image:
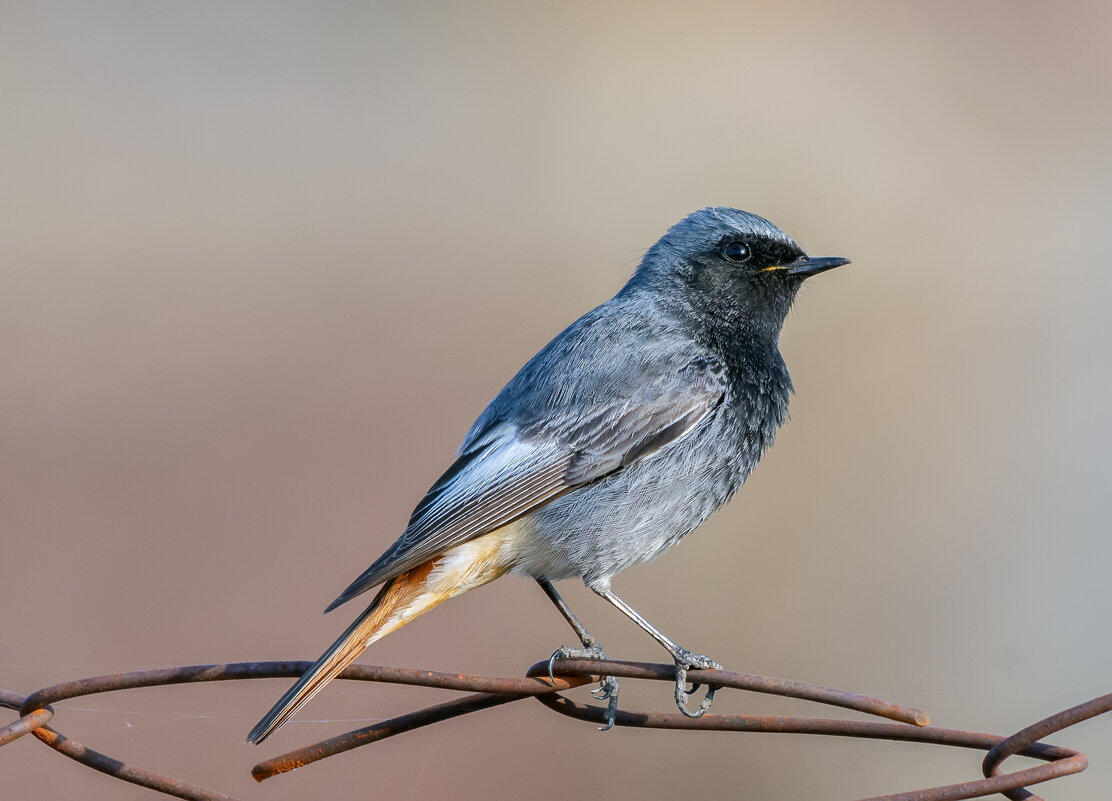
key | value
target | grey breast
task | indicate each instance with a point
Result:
(638, 513)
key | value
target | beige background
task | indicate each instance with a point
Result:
(263, 263)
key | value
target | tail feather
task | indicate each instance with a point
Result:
(398, 602)
(368, 627)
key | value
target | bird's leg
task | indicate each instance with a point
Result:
(685, 660)
(608, 685)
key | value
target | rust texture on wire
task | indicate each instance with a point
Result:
(902, 723)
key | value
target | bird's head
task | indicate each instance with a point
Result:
(730, 265)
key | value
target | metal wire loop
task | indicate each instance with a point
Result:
(903, 723)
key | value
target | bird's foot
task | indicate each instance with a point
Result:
(607, 689)
(685, 661)
(590, 651)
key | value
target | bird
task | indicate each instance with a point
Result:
(616, 440)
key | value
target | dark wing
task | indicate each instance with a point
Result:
(509, 472)
(484, 490)
(616, 438)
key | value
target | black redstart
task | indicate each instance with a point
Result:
(621, 436)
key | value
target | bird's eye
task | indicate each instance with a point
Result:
(736, 251)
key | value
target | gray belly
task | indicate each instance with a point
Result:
(638, 513)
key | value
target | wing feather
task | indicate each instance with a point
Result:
(493, 488)
(508, 472)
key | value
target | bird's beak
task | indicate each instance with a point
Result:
(806, 267)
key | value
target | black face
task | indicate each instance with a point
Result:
(733, 270)
(756, 253)
(743, 282)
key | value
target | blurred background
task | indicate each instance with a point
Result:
(263, 264)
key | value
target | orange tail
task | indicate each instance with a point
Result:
(398, 602)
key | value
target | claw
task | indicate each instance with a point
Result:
(551, 661)
(611, 710)
(564, 652)
(608, 685)
(608, 688)
(682, 692)
(612, 706)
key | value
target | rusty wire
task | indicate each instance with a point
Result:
(905, 724)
